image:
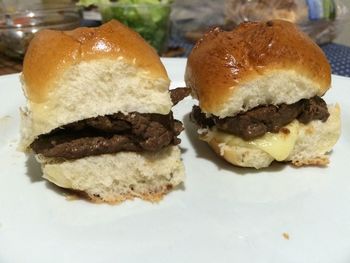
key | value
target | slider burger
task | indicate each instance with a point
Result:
(259, 89)
(98, 114)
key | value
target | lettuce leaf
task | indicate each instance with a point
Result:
(150, 18)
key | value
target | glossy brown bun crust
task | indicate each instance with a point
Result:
(223, 61)
(51, 52)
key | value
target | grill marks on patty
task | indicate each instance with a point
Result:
(110, 134)
(269, 118)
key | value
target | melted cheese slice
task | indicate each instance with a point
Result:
(278, 145)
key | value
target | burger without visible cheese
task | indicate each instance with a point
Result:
(98, 114)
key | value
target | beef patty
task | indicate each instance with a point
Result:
(268, 118)
(110, 134)
(113, 133)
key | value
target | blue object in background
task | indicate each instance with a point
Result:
(339, 58)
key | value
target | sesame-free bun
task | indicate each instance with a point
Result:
(257, 63)
(113, 178)
(73, 75)
(313, 143)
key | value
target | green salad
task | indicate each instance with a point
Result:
(150, 18)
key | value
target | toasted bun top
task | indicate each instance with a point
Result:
(256, 63)
(89, 72)
(51, 52)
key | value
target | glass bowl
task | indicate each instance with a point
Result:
(151, 21)
(18, 28)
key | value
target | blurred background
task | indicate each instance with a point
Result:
(173, 26)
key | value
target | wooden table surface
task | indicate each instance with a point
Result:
(9, 65)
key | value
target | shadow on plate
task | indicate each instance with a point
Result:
(33, 169)
(35, 175)
(204, 151)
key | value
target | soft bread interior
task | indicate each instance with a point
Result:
(257, 63)
(116, 177)
(274, 87)
(310, 146)
(93, 88)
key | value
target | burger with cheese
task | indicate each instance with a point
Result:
(259, 89)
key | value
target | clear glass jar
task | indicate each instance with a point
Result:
(18, 28)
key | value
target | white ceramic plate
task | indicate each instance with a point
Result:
(222, 214)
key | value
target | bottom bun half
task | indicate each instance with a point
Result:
(302, 145)
(113, 178)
